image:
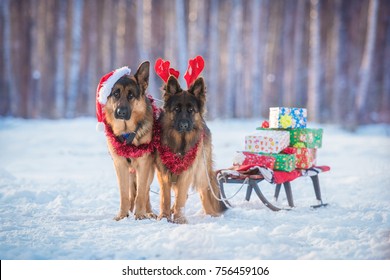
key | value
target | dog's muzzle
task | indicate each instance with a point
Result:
(122, 113)
(184, 126)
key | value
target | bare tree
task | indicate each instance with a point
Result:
(144, 35)
(385, 101)
(120, 33)
(59, 90)
(197, 30)
(93, 53)
(365, 67)
(255, 85)
(213, 59)
(105, 36)
(181, 37)
(13, 95)
(75, 58)
(297, 54)
(170, 35)
(314, 63)
(288, 66)
(232, 45)
(338, 82)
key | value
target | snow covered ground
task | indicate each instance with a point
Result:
(58, 195)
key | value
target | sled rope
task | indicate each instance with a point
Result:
(224, 200)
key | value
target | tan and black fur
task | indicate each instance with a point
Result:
(182, 126)
(128, 110)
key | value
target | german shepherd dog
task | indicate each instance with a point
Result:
(183, 127)
(128, 110)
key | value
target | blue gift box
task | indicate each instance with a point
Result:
(285, 117)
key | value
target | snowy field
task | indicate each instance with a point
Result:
(58, 195)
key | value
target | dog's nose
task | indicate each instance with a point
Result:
(183, 125)
(122, 113)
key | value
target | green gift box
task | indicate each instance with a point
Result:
(306, 137)
(283, 162)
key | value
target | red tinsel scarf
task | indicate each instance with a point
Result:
(177, 163)
(129, 150)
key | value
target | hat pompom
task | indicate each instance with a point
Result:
(100, 127)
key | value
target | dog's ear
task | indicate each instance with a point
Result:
(142, 75)
(198, 88)
(173, 86)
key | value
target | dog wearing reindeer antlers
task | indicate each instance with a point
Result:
(184, 156)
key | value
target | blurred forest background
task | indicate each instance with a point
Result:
(330, 56)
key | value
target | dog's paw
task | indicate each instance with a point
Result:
(164, 216)
(141, 216)
(121, 215)
(151, 215)
(179, 220)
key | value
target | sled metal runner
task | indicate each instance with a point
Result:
(252, 183)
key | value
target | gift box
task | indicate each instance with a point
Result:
(284, 162)
(267, 141)
(306, 138)
(284, 117)
(251, 159)
(305, 157)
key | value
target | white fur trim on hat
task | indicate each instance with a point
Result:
(106, 88)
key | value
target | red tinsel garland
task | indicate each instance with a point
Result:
(175, 163)
(129, 150)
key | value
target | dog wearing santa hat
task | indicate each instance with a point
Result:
(128, 116)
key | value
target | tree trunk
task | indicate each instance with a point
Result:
(385, 100)
(120, 34)
(59, 90)
(297, 90)
(170, 36)
(314, 63)
(106, 36)
(93, 60)
(214, 55)
(11, 87)
(337, 59)
(197, 28)
(240, 96)
(75, 58)
(287, 39)
(181, 38)
(232, 48)
(254, 55)
(365, 68)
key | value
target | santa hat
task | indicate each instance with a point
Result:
(104, 89)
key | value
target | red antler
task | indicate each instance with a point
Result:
(163, 71)
(195, 67)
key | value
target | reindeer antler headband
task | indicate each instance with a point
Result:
(195, 67)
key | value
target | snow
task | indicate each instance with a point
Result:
(58, 197)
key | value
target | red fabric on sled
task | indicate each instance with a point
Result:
(282, 176)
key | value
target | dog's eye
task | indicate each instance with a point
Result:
(116, 93)
(177, 109)
(190, 110)
(130, 96)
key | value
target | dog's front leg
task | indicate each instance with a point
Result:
(165, 196)
(123, 177)
(143, 188)
(181, 195)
